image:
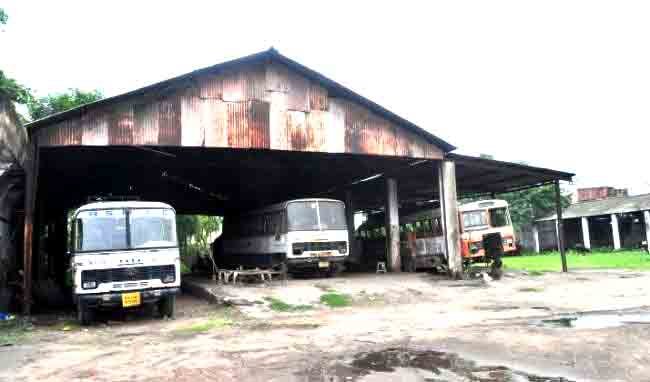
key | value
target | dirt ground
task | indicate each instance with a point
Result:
(396, 327)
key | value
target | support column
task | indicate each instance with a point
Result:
(646, 219)
(586, 239)
(560, 225)
(31, 185)
(449, 214)
(536, 238)
(392, 226)
(616, 234)
(349, 219)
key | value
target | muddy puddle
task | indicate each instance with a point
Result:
(402, 364)
(597, 320)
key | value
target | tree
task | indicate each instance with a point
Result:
(3, 17)
(531, 204)
(56, 103)
(13, 91)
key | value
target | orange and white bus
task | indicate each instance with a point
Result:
(476, 219)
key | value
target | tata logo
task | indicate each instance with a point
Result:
(131, 273)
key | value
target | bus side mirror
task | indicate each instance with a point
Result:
(277, 233)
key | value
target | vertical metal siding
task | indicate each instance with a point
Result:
(169, 122)
(192, 133)
(214, 117)
(146, 129)
(318, 97)
(120, 130)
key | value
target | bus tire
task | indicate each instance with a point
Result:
(85, 315)
(167, 307)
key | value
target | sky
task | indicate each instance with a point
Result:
(558, 84)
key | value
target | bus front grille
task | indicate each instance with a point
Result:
(127, 274)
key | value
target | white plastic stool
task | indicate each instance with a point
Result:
(381, 267)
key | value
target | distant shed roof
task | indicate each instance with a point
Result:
(605, 207)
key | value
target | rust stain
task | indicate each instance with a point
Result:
(169, 122)
(95, 129)
(245, 84)
(318, 97)
(211, 87)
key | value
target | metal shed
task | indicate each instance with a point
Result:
(617, 222)
(242, 134)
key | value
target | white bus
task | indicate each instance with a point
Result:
(302, 234)
(124, 254)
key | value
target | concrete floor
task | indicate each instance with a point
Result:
(496, 323)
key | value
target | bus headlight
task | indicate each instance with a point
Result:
(343, 247)
(89, 284)
(169, 278)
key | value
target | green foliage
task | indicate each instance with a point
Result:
(278, 305)
(335, 300)
(56, 103)
(13, 91)
(3, 17)
(194, 232)
(527, 205)
(605, 259)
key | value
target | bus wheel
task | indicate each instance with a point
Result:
(167, 307)
(85, 315)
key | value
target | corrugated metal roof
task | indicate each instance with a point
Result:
(233, 88)
(604, 207)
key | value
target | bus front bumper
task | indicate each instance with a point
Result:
(114, 299)
(315, 262)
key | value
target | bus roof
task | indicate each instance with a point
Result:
(283, 205)
(122, 204)
(482, 205)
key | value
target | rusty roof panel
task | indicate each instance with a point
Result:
(211, 87)
(146, 128)
(65, 133)
(120, 128)
(94, 127)
(317, 133)
(248, 124)
(276, 78)
(169, 122)
(318, 99)
(298, 92)
(214, 118)
(192, 133)
(246, 84)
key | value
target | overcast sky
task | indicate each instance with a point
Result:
(560, 84)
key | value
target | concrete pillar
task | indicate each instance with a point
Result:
(449, 213)
(616, 234)
(536, 238)
(560, 225)
(392, 226)
(349, 220)
(586, 239)
(646, 219)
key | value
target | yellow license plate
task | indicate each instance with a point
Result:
(130, 299)
(323, 264)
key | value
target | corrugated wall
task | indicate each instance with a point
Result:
(263, 105)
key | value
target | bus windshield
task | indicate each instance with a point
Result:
(303, 216)
(475, 219)
(106, 230)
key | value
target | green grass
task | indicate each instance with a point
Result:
(205, 326)
(335, 300)
(634, 260)
(530, 289)
(278, 305)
